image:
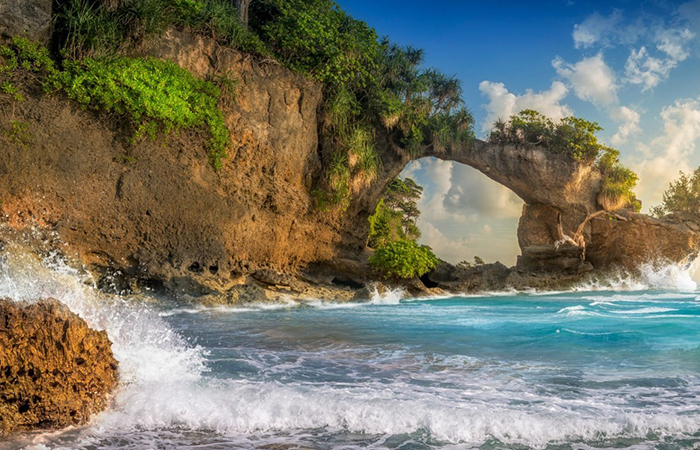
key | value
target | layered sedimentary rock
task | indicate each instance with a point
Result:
(55, 371)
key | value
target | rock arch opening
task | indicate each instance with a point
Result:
(465, 216)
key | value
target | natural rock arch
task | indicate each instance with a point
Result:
(562, 226)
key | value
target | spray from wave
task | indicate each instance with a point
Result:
(166, 392)
(652, 275)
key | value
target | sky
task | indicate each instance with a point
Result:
(631, 66)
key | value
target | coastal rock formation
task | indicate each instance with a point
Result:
(643, 239)
(158, 212)
(451, 278)
(31, 18)
(55, 371)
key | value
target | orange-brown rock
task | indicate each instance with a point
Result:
(55, 371)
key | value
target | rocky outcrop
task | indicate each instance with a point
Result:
(30, 18)
(159, 213)
(451, 278)
(158, 210)
(643, 239)
(54, 370)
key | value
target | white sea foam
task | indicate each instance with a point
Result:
(649, 310)
(164, 386)
(652, 275)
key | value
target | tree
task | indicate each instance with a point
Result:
(396, 214)
(682, 195)
(403, 259)
(478, 261)
(243, 6)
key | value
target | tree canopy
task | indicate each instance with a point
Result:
(682, 195)
(394, 232)
(575, 138)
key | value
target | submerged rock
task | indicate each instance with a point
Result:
(55, 371)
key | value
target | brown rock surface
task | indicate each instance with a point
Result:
(55, 371)
(643, 239)
(159, 211)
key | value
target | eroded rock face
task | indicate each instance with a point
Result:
(30, 18)
(55, 371)
(643, 239)
(454, 279)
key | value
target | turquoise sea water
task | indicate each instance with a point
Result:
(580, 370)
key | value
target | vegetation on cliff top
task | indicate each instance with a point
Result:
(371, 85)
(682, 195)
(394, 232)
(576, 138)
(155, 96)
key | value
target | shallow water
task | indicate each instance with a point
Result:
(580, 370)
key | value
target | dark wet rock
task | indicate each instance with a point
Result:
(454, 279)
(55, 371)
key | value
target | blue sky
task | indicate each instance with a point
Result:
(634, 67)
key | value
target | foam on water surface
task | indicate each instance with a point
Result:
(581, 370)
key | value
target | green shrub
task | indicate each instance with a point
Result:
(576, 138)
(86, 28)
(366, 162)
(403, 259)
(617, 190)
(20, 60)
(316, 37)
(156, 96)
(572, 136)
(682, 195)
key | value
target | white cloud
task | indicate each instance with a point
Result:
(670, 152)
(503, 104)
(452, 250)
(472, 193)
(674, 42)
(629, 120)
(460, 209)
(591, 79)
(642, 68)
(596, 29)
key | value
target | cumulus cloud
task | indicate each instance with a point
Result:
(591, 79)
(503, 104)
(674, 42)
(646, 70)
(665, 155)
(596, 29)
(472, 193)
(449, 249)
(460, 208)
(665, 43)
(629, 120)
